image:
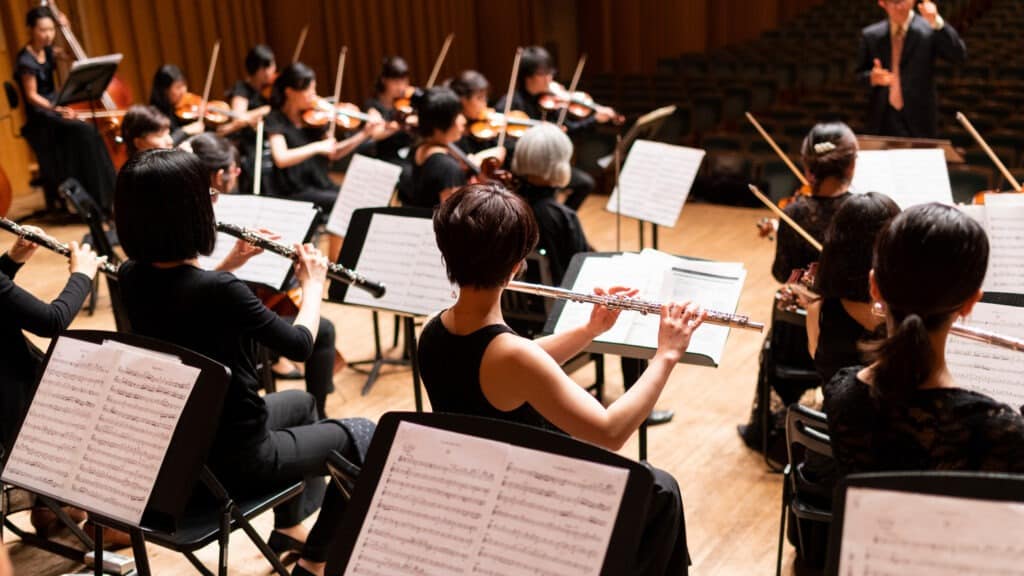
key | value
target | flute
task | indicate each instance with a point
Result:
(51, 244)
(987, 337)
(334, 271)
(632, 304)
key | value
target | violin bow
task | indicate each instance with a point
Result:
(962, 119)
(300, 43)
(572, 88)
(337, 91)
(209, 80)
(257, 169)
(509, 96)
(785, 217)
(440, 61)
(771, 142)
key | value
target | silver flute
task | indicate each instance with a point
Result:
(334, 271)
(987, 337)
(49, 243)
(632, 304)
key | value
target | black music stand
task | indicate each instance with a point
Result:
(872, 142)
(183, 463)
(632, 509)
(355, 239)
(88, 80)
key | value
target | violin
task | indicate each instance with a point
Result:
(580, 104)
(217, 111)
(489, 125)
(799, 285)
(348, 115)
(403, 104)
(487, 171)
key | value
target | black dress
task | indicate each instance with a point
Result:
(245, 138)
(261, 442)
(838, 338)
(177, 125)
(390, 148)
(64, 148)
(935, 429)
(308, 180)
(20, 310)
(450, 366)
(813, 214)
(439, 172)
(561, 234)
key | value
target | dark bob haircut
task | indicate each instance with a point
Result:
(849, 246)
(438, 108)
(469, 82)
(391, 68)
(259, 56)
(162, 207)
(38, 13)
(164, 77)
(296, 76)
(215, 152)
(535, 60)
(140, 121)
(483, 232)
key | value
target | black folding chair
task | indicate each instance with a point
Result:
(805, 433)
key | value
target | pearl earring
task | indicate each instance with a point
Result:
(878, 309)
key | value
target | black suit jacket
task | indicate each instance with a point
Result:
(917, 66)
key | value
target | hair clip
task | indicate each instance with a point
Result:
(824, 147)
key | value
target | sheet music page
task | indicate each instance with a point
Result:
(101, 420)
(449, 503)
(401, 252)
(1003, 199)
(290, 219)
(985, 368)
(909, 177)
(887, 533)
(712, 291)
(655, 180)
(605, 272)
(1005, 226)
(369, 183)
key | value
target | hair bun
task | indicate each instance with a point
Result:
(824, 147)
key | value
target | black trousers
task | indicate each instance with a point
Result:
(663, 550)
(894, 123)
(581, 184)
(320, 365)
(296, 449)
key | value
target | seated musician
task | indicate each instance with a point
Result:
(145, 128)
(392, 144)
(165, 221)
(220, 160)
(536, 73)
(302, 154)
(904, 411)
(66, 147)
(246, 99)
(472, 363)
(168, 91)
(472, 88)
(20, 310)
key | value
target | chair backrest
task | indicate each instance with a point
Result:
(13, 100)
(927, 522)
(806, 429)
(91, 214)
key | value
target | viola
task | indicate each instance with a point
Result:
(217, 111)
(489, 125)
(799, 285)
(349, 117)
(580, 104)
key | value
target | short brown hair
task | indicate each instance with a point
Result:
(483, 232)
(140, 121)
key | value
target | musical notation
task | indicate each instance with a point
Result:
(985, 369)
(369, 183)
(655, 182)
(909, 177)
(99, 426)
(448, 503)
(401, 252)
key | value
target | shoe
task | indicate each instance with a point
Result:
(293, 374)
(112, 539)
(660, 417)
(281, 543)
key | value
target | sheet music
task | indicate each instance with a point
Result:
(985, 368)
(401, 252)
(369, 183)
(99, 426)
(909, 177)
(448, 503)
(290, 219)
(887, 533)
(656, 179)
(1005, 227)
(659, 277)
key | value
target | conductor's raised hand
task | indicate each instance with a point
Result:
(880, 76)
(929, 11)
(678, 322)
(601, 318)
(83, 259)
(310, 266)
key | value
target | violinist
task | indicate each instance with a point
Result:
(247, 101)
(64, 146)
(145, 128)
(220, 160)
(168, 92)
(302, 154)
(536, 74)
(392, 144)
(472, 89)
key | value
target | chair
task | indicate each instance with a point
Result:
(527, 314)
(99, 237)
(806, 431)
(962, 495)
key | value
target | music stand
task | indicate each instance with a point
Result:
(632, 509)
(871, 142)
(352, 252)
(88, 80)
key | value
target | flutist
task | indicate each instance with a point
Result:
(473, 363)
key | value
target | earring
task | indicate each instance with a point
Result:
(878, 309)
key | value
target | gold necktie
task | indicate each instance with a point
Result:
(895, 89)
